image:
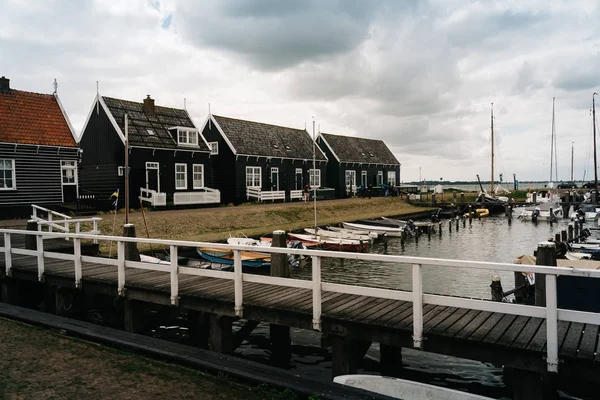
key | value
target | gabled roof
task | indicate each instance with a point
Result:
(359, 150)
(140, 122)
(258, 139)
(34, 118)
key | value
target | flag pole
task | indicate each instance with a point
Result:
(126, 169)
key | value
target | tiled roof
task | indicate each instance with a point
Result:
(258, 139)
(159, 123)
(355, 149)
(33, 118)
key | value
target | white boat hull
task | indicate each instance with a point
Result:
(403, 389)
(389, 231)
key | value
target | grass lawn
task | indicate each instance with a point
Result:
(39, 364)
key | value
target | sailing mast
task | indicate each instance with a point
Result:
(492, 180)
(572, 152)
(595, 160)
(552, 149)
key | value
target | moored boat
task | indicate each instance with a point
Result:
(332, 243)
(372, 235)
(379, 229)
(339, 235)
(542, 212)
(225, 256)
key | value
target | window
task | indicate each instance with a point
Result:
(391, 177)
(187, 137)
(350, 180)
(180, 176)
(7, 174)
(379, 178)
(198, 176)
(214, 147)
(274, 178)
(315, 178)
(151, 132)
(68, 171)
(253, 178)
(120, 171)
(363, 178)
(151, 165)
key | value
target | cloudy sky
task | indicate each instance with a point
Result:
(420, 75)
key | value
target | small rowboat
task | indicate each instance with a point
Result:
(339, 235)
(379, 229)
(332, 243)
(224, 256)
(372, 235)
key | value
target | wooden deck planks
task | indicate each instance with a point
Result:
(498, 330)
(570, 345)
(589, 340)
(463, 321)
(513, 331)
(448, 321)
(475, 324)
(392, 310)
(481, 332)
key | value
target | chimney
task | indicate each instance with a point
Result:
(4, 85)
(149, 106)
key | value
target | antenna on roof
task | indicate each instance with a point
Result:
(97, 99)
(184, 104)
(209, 125)
(55, 84)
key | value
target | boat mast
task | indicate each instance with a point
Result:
(315, 176)
(126, 169)
(595, 159)
(572, 152)
(492, 180)
(552, 150)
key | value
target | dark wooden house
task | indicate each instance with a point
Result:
(169, 160)
(38, 152)
(256, 161)
(354, 161)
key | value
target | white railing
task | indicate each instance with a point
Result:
(550, 312)
(153, 197)
(264, 195)
(295, 194)
(52, 218)
(207, 196)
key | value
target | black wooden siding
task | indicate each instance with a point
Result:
(38, 174)
(230, 171)
(104, 152)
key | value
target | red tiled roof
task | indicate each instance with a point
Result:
(33, 118)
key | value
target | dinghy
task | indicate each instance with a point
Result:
(339, 235)
(372, 235)
(225, 256)
(379, 229)
(542, 212)
(332, 243)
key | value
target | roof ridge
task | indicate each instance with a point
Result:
(141, 103)
(260, 123)
(28, 92)
(352, 137)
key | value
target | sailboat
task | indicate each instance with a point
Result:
(553, 159)
(491, 202)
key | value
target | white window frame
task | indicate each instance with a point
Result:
(120, 171)
(66, 165)
(14, 175)
(214, 148)
(184, 137)
(194, 174)
(363, 178)
(152, 165)
(379, 178)
(184, 187)
(391, 173)
(314, 178)
(275, 169)
(253, 173)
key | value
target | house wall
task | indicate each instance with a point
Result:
(37, 175)
(223, 165)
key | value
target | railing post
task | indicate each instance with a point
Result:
(121, 267)
(174, 276)
(95, 228)
(417, 290)
(40, 256)
(77, 254)
(551, 324)
(316, 294)
(50, 221)
(67, 229)
(7, 254)
(237, 280)
(77, 227)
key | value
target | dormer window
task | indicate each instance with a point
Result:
(371, 154)
(276, 146)
(288, 148)
(187, 137)
(151, 132)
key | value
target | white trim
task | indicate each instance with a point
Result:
(187, 128)
(193, 149)
(40, 145)
(111, 118)
(314, 172)
(213, 153)
(388, 177)
(150, 167)
(259, 177)
(184, 172)
(377, 181)
(327, 144)
(366, 175)
(64, 113)
(14, 174)
(196, 126)
(275, 169)
(194, 180)
(214, 121)
(283, 158)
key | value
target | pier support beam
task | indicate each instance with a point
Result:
(131, 250)
(346, 354)
(546, 255)
(9, 291)
(68, 302)
(31, 240)
(529, 385)
(133, 316)
(221, 337)
(390, 360)
(198, 325)
(281, 341)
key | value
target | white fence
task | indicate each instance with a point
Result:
(295, 194)
(265, 195)
(550, 312)
(208, 196)
(153, 197)
(62, 223)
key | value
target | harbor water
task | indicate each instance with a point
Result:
(488, 239)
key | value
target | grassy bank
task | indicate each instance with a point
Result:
(213, 224)
(36, 363)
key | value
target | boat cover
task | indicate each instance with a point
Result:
(577, 264)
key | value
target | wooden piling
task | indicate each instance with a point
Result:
(519, 281)
(402, 239)
(221, 337)
(546, 255)
(457, 222)
(133, 316)
(563, 235)
(345, 354)
(281, 341)
(462, 198)
(576, 230)
(470, 214)
(131, 250)
(557, 238)
(390, 360)
(534, 198)
(198, 326)
(31, 240)
(570, 232)
(440, 228)
(551, 216)
(433, 199)
(429, 231)
(496, 286)
(450, 226)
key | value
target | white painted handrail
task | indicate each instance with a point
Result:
(550, 312)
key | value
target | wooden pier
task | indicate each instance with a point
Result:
(530, 342)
